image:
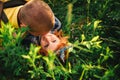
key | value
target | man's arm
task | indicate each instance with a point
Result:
(13, 3)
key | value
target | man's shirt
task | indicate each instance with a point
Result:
(12, 15)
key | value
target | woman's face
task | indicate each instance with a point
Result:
(50, 41)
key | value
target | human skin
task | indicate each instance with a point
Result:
(50, 42)
(54, 42)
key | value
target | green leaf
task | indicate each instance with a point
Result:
(95, 38)
(96, 23)
(83, 37)
(26, 56)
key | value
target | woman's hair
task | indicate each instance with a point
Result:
(63, 43)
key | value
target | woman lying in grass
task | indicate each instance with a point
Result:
(52, 41)
(55, 42)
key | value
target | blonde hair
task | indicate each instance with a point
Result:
(38, 16)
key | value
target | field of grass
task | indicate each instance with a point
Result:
(93, 27)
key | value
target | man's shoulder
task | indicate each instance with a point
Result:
(11, 14)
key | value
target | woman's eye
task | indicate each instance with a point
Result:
(46, 46)
(54, 41)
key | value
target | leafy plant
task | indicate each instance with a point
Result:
(11, 51)
(93, 30)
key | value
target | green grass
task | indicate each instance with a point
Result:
(93, 28)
